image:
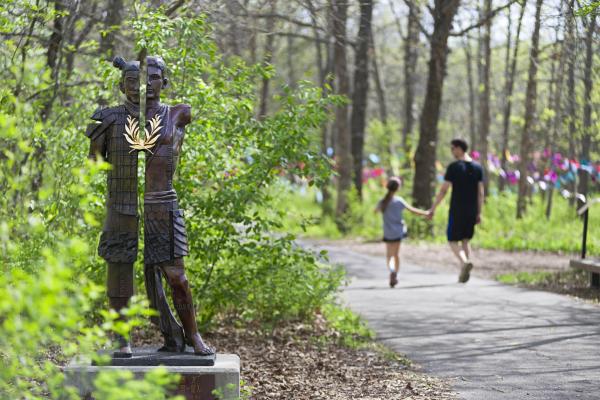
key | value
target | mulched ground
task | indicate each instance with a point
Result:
(300, 361)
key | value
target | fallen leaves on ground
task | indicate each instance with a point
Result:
(305, 362)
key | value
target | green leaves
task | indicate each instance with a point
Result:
(229, 161)
(52, 281)
(588, 9)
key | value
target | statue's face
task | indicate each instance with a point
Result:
(130, 86)
(156, 82)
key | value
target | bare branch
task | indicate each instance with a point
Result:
(484, 20)
(63, 86)
(174, 6)
(423, 30)
(283, 17)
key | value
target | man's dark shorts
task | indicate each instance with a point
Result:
(460, 228)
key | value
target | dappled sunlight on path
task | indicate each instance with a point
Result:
(494, 341)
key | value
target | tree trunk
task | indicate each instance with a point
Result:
(53, 62)
(233, 31)
(411, 57)
(343, 143)
(290, 61)
(425, 156)
(324, 68)
(379, 86)
(471, 89)
(588, 83)
(114, 17)
(508, 91)
(484, 99)
(556, 121)
(53, 55)
(267, 59)
(75, 44)
(361, 88)
(252, 34)
(381, 102)
(571, 95)
(530, 105)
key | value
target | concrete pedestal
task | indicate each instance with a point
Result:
(197, 382)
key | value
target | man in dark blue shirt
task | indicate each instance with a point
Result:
(466, 178)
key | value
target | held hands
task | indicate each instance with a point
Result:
(430, 214)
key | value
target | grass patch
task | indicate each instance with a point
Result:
(570, 282)
(352, 329)
(568, 278)
(500, 229)
(526, 278)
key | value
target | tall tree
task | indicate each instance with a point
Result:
(471, 90)
(112, 20)
(530, 106)
(509, 84)
(54, 54)
(268, 57)
(343, 142)
(324, 67)
(588, 84)
(379, 85)
(558, 115)
(425, 155)
(361, 88)
(411, 57)
(484, 93)
(571, 95)
(381, 96)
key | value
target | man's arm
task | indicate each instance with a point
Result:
(480, 199)
(440, 196)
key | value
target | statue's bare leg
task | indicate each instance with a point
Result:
(169, 327)
(184, 305)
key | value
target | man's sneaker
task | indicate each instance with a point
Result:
(465, 272)
(393, 279)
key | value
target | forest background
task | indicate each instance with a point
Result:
(301, 108)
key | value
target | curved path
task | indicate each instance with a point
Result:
(493, 341)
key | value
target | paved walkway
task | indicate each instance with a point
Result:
(493, 341)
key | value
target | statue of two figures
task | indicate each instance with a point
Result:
(115, 136)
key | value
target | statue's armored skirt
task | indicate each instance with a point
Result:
(165, 237)
(119, 239)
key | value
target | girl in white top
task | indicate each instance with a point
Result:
(394, 228)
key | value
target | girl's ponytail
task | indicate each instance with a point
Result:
(392, 185)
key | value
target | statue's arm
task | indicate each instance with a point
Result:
(97, 132)
(98, 147)
(183, 116)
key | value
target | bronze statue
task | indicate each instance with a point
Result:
(116, 137)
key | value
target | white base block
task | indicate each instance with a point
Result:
(197, 383)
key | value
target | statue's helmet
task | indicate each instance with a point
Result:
(151, 61)
(126, 66)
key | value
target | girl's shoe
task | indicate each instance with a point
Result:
(393, 279)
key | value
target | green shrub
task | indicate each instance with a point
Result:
(229, 162)
(52, 281)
